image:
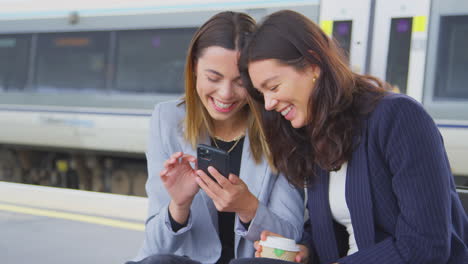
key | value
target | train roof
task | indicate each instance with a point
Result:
(33, 9)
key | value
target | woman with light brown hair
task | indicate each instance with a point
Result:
(379, 184)
(221, 221)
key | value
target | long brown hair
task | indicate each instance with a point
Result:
(336, 105)
(227, 30)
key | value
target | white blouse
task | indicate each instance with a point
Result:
(338, 206)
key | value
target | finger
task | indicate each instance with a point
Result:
(266, 233)
(299, 256)
(163, 175)
(177, 155)
(222, 181)
(258, 254)
(205, 187)
(256, 245)
(212, 185)
(303, 253)
(189, 158)
(169, 163)
(234, 179)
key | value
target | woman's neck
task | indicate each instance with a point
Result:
(231, 129)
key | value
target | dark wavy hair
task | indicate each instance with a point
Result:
(336, 105)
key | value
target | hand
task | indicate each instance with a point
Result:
(229, 195)
(179, 180)
(301, 257)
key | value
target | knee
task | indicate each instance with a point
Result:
(156, 259)
(243, 261)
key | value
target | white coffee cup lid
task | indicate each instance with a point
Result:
(280, 243)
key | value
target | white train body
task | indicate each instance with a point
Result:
(92, 119)
(417, 46)
(113, 116)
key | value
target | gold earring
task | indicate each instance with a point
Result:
(314, 79)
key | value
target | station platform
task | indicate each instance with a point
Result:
(53, 225)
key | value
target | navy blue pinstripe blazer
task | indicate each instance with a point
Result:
(400, 192)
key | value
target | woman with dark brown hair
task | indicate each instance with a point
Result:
(221, 221)
(380, 189)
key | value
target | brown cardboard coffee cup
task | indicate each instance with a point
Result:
(279, 248)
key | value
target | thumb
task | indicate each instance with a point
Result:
(298, 258)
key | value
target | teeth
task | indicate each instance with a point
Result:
(286, 111)
(221, 105)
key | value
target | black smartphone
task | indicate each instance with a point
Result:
(211, 156)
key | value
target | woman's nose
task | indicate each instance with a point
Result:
(226, 90)
(270, 103)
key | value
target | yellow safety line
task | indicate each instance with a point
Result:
(73, 217)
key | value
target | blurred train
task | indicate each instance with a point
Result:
(78, 84)
(78, 81)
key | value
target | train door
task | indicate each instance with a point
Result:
(348, 23)
(446, 80)
(399, 44)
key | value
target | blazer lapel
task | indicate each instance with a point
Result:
(251, 173)
(323, 232)
(358, 194)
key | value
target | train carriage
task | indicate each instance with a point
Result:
(82, 79)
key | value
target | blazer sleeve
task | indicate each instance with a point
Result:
(159, 236)
(282, 212)
(413, 150)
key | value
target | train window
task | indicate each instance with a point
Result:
(452, 60)
(342, 33)
(72, 61)
(152, 61)
(14, 54)
(398, 52)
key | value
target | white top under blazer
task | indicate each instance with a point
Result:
(338, 205)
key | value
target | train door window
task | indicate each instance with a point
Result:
(452, 60)
(14, 55)
(72, 61)
(152, 61)
(398, 52)
(342, 33)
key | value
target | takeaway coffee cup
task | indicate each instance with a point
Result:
(279, 248)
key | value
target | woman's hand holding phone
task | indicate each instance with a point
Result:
(178, 177)
(229, 194)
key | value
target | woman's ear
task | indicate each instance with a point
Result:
(316, 71)
(315, 68)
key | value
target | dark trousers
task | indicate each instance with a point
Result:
(164, 259)
(258, 261)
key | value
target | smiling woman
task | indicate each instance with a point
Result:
(220, 222)
(379, 184)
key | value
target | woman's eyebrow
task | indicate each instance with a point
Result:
(214, 72)
(264, 83)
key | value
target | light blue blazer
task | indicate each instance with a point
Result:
(281, 206)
